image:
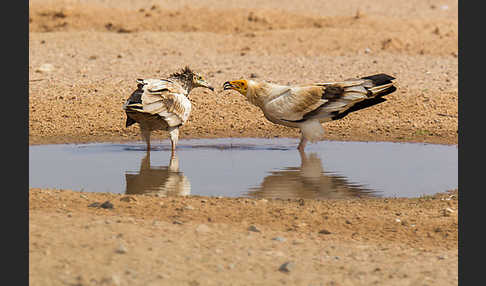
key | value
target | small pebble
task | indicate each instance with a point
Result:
(253, 228)
(128, 199)
(45, 68)
(121, 249)
(106, 205)
(287, 267)
(278, 238)
(447, 212)
(324, 231)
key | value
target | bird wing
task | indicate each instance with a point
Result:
(319, 100)
(295, 102)
(324, 100)
(351, 95)
(162, 97)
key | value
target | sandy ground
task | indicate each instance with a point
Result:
(147, 240)
(84, 57)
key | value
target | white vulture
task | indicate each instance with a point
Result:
(163, 104)
(307, 106)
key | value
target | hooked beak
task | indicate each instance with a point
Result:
(227, 85)
(206, 85)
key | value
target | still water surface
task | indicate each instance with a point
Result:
(248, 167)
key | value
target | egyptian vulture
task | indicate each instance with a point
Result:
(307, 106)
(163, 104)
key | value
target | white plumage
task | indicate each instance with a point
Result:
(162, 104)
(307, 106)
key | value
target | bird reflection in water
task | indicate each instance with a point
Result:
(158, 180)
(309, 181)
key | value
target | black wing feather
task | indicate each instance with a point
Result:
(379, 79)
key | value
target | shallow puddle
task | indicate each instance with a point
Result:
(243, 167)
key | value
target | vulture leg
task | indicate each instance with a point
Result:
(174, 138)
(146, 136)
(302, 143)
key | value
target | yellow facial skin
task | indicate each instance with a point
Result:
(240, 86)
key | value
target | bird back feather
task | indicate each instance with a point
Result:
(342, 96)
(157, 100)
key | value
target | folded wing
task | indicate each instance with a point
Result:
(159, 97)
(328, 100)
(295, 102)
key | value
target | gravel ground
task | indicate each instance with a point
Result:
(84, 57)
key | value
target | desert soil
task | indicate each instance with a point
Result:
(84, 58)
